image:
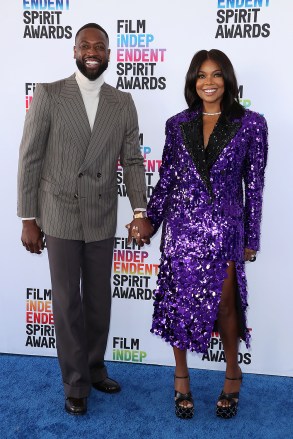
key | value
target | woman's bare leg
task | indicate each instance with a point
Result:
(229, 331)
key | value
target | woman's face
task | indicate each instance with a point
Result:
(210, 83)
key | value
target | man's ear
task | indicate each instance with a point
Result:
(74, 52)
(109, 53)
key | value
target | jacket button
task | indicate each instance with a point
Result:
(80, 174)
(76, 196)
(99, 175)
(223, 172)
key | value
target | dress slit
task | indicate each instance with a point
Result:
(187, 301)
(241, 320)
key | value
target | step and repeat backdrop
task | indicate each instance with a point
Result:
(151, 47)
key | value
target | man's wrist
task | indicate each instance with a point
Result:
(139, 214)
(26, 222)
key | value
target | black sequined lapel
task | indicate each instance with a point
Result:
(204, 159)
(192, 136)
(222, 134)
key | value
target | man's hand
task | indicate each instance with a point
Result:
(32, 237)
(141, 230)
(249, 255)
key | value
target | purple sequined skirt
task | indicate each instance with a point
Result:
(187, 300)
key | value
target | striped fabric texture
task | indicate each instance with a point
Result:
(67, 173)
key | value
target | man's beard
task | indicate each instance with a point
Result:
(91, 75)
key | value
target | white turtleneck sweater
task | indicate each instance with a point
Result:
(90, 91)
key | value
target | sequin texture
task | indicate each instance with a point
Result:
(208, 220)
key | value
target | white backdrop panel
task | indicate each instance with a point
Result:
(263, 69)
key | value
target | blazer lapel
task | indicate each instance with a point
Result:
(221, 136)
(107, 117)
(204, 159)
(73, 113)
(192, 136)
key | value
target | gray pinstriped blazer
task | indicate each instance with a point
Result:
(67, 173)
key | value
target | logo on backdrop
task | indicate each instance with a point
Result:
(241, 19)
(137, 59)
(131, 272)
(29, 92)
(216, 352)
(40, 329)
(43, 19)
(152, 167)
(245, 102)
(127, 349)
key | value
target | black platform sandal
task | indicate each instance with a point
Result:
(232, 398)
(180, 410)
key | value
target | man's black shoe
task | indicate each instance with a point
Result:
(76, 406)
(107, 385)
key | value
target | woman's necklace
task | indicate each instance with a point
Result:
(212, 114)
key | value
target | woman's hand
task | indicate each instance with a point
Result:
(249, 255)
(140, 230)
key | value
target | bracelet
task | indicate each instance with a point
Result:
(139, 215)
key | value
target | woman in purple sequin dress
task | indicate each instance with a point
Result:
(209, 201)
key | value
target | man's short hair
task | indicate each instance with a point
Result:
(92, 25)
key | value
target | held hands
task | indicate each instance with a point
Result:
(32, 237)
(141, 230)
(249, 255)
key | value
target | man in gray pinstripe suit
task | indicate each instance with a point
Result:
(74, 133)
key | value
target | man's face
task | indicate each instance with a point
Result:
(91, 53)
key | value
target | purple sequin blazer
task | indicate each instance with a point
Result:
(210, 200)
